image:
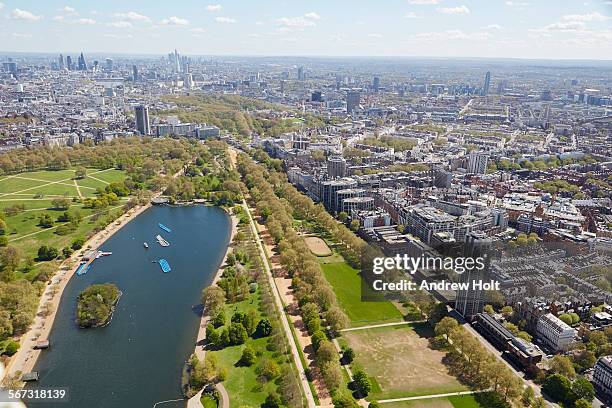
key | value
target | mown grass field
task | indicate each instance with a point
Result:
(460, 401)
(346, 283)
(35, 191)
(400, 361)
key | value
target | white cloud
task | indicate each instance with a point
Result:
(519, 4)
(176, 21)
(424, 2)
(375, 35)
(20, 35)
(411, 14)
(560, 27)
(1, 6)
(58, 18)
(25, 15)
(84, 21)
(70, 11)
(259, 23)
(120, 24)
(132, 16)
(213, 7)
(454, 10)
(225, 20)
(198, 30)
(594, 16)
(312, 15)
(254, 35)
(493, 27)
(452, 35)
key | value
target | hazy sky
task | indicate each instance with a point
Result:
(450, 28)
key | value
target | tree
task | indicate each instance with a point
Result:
(237, 334)
(326, 352)
(248, 356)
(342, 216)
(582, 403)
(562, 365)
(61, 203)
(488, 309)
(362, 382)
(268, 369)
(45, 221)
(77, 243)
(317, 338)
(583, 389)
(348, 355)
(47, 253)
(558, 387)
(446, 326)
(507, 311)
(355, 225)
(538, 403)
(80, 172)
(272, 401)
(264, 328)
(336, 318)
(213, 299)
(527, 397)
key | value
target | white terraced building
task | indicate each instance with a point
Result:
(555, 333)
(602, 375)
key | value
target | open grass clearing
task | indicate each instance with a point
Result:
(400, 360)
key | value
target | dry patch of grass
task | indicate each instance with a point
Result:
(318, 246)
(402, 363)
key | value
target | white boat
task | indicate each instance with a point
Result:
(146, 245)
(162, 241)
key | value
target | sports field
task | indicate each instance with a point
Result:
(459, 401)
(346, 283)
(400, 361)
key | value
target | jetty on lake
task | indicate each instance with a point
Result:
(88, 259)
(162, 241)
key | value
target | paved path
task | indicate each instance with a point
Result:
(420, 397)
(279, 305)
(374, 326)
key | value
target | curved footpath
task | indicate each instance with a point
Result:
(200, 351)
(25, 359)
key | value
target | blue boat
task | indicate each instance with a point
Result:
(164, 265)
(162, 226)
(82, 269)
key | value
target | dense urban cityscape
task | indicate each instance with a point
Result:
(271, 182)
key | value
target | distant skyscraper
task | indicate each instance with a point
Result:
(376, 84)
(135, 74)
(177, 61)
(60, 62)
(352, 101)
(11, 68)
(142, 119)
(470, 301)
(69, 63)
(82, 65)
(188, 80)
(109, 64)
(301, 75)
(487, 83)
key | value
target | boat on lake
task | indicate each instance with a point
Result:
(162, 226)
(162, 241)
(165, 266)
(146, 245)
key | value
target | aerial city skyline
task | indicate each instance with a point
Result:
(283, 204)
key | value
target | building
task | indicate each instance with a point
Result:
(81, 64)
(142, 119)
(336, 167)
(424, 221)
(352, 101)
(108, 64)
(135, 75)
(525, 353)
(328, 190)
(376, 84)
(602, 375)
(477, 163)
(471, 301)
(300, 74)
(487, 83)
(554, 333)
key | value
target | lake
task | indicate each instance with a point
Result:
(137, 360)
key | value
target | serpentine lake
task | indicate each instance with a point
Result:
(137, 359)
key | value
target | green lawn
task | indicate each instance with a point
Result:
(346, 283)
(460, 401)
(242, 383)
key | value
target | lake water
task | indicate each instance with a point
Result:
(138, 358)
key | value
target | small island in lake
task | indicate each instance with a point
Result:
(96, 304)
